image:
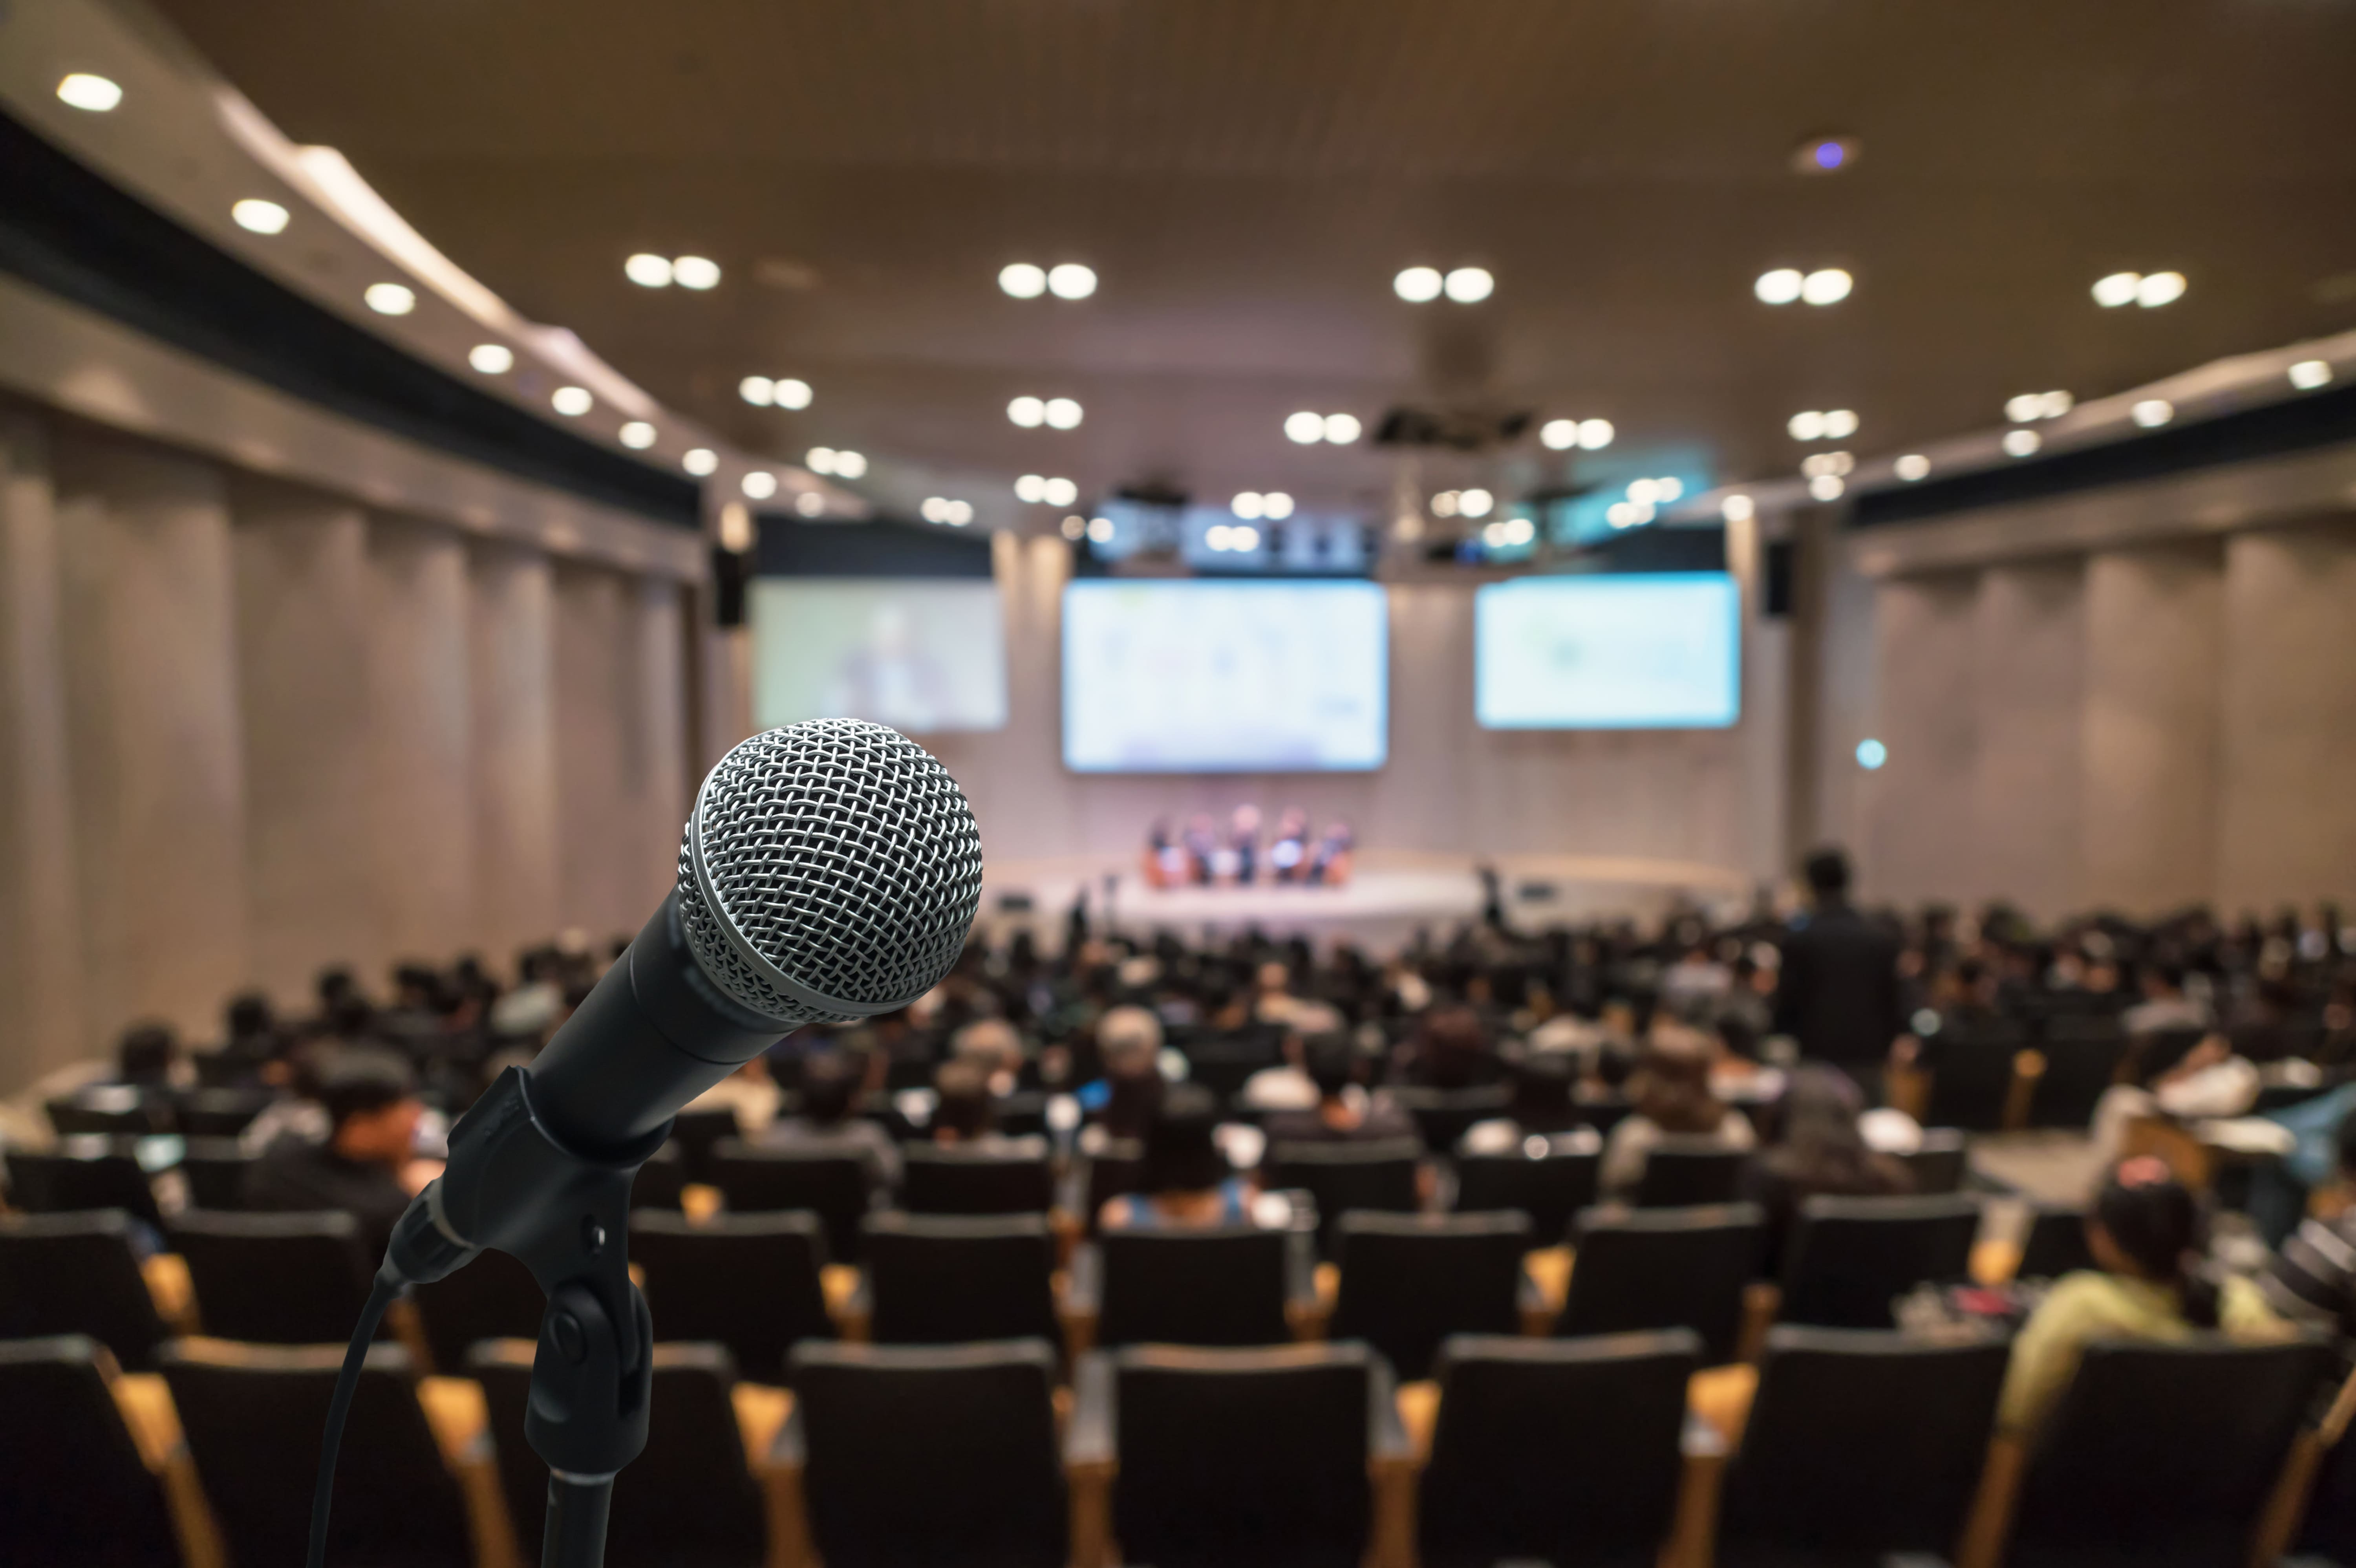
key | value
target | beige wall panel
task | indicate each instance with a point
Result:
(1920, 833)
(2028, 638)
(511, 652)
(422, 790)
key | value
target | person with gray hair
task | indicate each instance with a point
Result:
(1128, 1039)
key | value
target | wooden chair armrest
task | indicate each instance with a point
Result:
(2027, 1068)
(1987, 1529)
(461, 1423)
(1311, 1316)
(698, 1201)
(175, 1293)
(1762, 1299)
(845, 1288)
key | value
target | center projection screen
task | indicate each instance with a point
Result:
(923, 655)
(1634, 651)
(1205, 677)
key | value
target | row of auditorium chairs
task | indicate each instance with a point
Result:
(760, 1284)
(1856, 1446)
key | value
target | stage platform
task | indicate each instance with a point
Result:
(1382, 907)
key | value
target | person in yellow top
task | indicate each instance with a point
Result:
(2150, 1284)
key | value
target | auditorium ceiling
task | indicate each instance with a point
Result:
(1245, 176)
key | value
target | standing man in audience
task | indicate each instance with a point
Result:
(368, 1167)
(1837, 992)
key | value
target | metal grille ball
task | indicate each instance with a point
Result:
(847, 860)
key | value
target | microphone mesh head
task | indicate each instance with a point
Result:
(830, 871)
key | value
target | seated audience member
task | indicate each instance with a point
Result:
(991, 1045)
(1344, 1111)
(1288, 1086)
(2150, 1282)
(2165, 1004)
(750, 1092)
(1129, 1041)
(1450, 1050)
(1542, 1104)
(1821, 1152)
(251, 1040)
(297, 1114)
(2312, 1279)
(149, 1057)
(367, 1167)
(964, 1110)
(1186, 1182)
(2208, 1081)
(1670, 1096)
(831, 1081)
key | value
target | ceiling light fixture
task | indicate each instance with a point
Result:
(1824, 154)
(1474, 503)
(1806, 425)
(1558, 435)
(390, 298)
(1417, 285)
(83, 91)
(1628, 514)
(1738, 507)
(1594, 434)
(1076, 526)
(1305, 428)
(1444, 504)
(2022, 442)
(2022, 407)
(1027, 411)
(1243, 536)
(491, 359)
(1071, 281)
(259, 215)
(1100, 530)
(572, 402)
(647, 270)
(1341, 429)
(697, 272)
(849, 465)
(2308, 374)
(2156, 289)
(1781, 286)
(2152, 413)
(2117, 289)
(1246, 504)
(1030, 488)
(758, 390)
(1826, 285)
(1060, 492)
(810, 503)
(819, 459)
(699, 461)
(759, 485)
(1216, 536)
(1021, 279)
(1826, 487)
(1275, 506)
(1062, 413)
(1840, 424)
(1912, 467)
(2055, 405)
(1470, 285)
(792, 393)
(638, 435)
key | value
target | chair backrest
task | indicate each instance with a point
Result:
(221, 1112)
(1223, 1066)
(688, 1500)
(1665, 1268)
(1972, 1076)
(1442, 1115)
(830, 1180)
(1863, 1442)
(74, 1273)
(1565, 1450)
(747, 1281)
(274, 1278)
(253, 1414)
(955, 1179)
(85, 1171)
(1850, 1258)
(1942, 1162)
(110, 1109)
(493, 1298)
(1023, 1114)
(1549, 1186)
(1225, 1286)
(949, 1280)
(215, 1168)
(73, 1490)
(661, 1180)
(1379, 1174)
(2056, 1243)
(1686, 1169)
(2164, 1455)
(699, 1134)
(2082, 1054)
(1112, 1171)
(931, 1456)
(1243, 1456)
(1409, 1281)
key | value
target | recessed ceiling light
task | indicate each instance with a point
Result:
(851, 465)
(1470, 285)
(1559, 435)
(638, 435)
(572, 402)
(1829, 463)
(1828, 285)
(1246, 504)
(695, 272)
(699, 461)
(1027, 411)
(390, 298)
(1275, 506)
(933, 509)
(1305, 427)
(647, 271)
(1824, 154)
(2117, 289)
(2022, 407)
(1594, 434)
(1417, 285)
(2159, 289)
(1643, 491)
(1781, 286)
(809, 503)
(961, 513)
(1444, 504)
(1021, 279)
(260, 216)
(1474, 503)
(758, 390)
(792, 393)
(1826, 487)
(1076, 528)
(1341, 429)
(2308, 374)
(1806, 425)
(1100, 530)
(1671, 488)
(1060, 492)
(1030, 488)
(83, 90)
(1628, 514)
(2152, 413)
(819, 459)
(1912, 467)
(1840, 424)
(1243, 536)
(759, 485)
(2021, 443)
(2055, 405)
(491, 359)
(1738, 507)
(1062, 413)
(1071, 281)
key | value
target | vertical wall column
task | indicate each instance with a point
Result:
(422, 788)
(595, 684)
(157, 762)
(2288, 738)
(40, 931)
(512, 653)
(302, 617)
(2028, 636)
(2149, 731)
(1919, 810)
(655, 744)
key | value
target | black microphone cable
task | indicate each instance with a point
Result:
(347, 1381)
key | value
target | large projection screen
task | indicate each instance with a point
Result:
(1208, 677)
(1638, 650)
(922, 654)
